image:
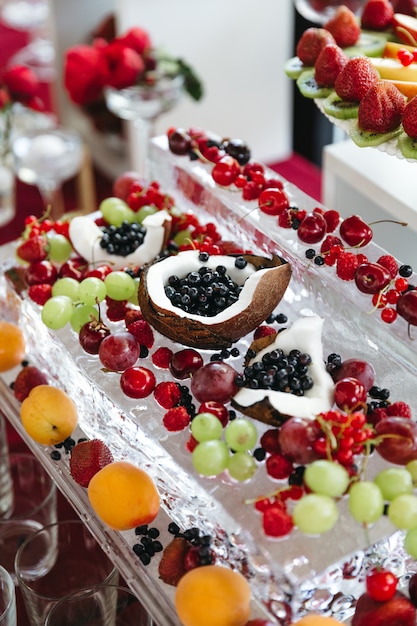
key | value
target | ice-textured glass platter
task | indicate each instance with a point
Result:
(298, 570)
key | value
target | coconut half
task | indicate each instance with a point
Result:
(264, 283)
(274, 407)
(85, 237)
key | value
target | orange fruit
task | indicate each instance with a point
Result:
(48, 415)
(213, 594)
(12, 346)
(316, 620)
(123, 496)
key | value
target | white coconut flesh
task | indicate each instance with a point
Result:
(85, 237)
(184, 263)
(304, 335)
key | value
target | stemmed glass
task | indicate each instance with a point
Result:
(143, 104)
(319, 11)
(31, 16)
(47, 158)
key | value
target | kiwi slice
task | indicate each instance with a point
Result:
(370, 44)
(293, 67)
(364, 138)
(342, 109)
(408, 146)
(309, 88)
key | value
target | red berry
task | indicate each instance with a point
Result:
(381, 584)
(399, 409)
(167, 394)
(278, 466)
(87, 458)
(389, 315)
(264, 331)
(162, 357)
(143, 332)
(137, 382)
(270, 440)
(388, 261)
(405, 57)
(332, 218)
(40, 293)
(33, 249)
(346, 265)
(176, 419)
(277, 522)
(225, 171)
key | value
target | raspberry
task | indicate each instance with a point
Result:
(376, 416)
(332, 220)
(328, 242)
(143, 333)
(276, 522)
(278, 466)
(264, 331)
(167, 394)
(40, 293)
(162, 357)
(270, 440)
(116, 309)
(346, 265)
(176, 419)
(132, 315)
(399, 409)
(191, 444)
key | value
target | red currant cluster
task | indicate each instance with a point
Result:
(141, 195)
(342, 435)
(406, 57)
(276, 518)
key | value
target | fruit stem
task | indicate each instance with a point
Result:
(389, 221)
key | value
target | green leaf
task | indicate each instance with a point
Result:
(192, 84)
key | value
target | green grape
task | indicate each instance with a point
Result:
(206, 426)
(366, 503)
(402, 511)
(410, 542)
(66, 287)
(57, 312)
(412, 468)
(210, 458)
(60, 248)
(393, 482)
(315, 514)
(83, 314)
(115, 211)
(327, 477)
(119, 285)
(134, 297)
(242, 466)
(143, 212)
(183, 236)
(91, 290)
(241, 435)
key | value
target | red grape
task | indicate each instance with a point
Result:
(398, 439)
(296, 438)
(356, 368)
(119, 351)
(214, 381)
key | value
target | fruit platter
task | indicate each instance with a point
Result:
(174, 400)
(362, 75)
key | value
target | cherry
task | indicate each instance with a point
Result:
(312, 228)
(179, 142)
(73, 268)
(225, 171)
(349, 394)
(137, 382)
(371, 277)
(355, 231)
(238, 150)
(217, 409)
(272, 201)
(407, 306)
(381, 584)
(412, 589)
(210, 150)
(92, 334)
(185, 362)
(101, 271)
(41, 272)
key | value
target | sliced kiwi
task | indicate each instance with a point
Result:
(293, 67)
(308, 86)
(364, 138)
(370, 44)
(342, 109)
(408, 146)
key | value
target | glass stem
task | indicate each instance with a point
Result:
(140, 147)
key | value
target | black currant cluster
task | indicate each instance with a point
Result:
(66, 445)
(149, 545)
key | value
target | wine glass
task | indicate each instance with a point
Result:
(47, 158)
(143, 104)
(31, 16)
(319, 11)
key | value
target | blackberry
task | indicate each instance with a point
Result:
(124, 239)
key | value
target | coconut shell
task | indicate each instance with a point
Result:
(191, 332)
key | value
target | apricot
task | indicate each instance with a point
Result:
(12, 346)
(48, 415)
(123, 496)
(213, 594)
(316, 620)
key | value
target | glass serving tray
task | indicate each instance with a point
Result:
(298, 573)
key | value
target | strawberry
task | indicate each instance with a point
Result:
(33, 249)
(410, 118)
(87, 458)
(171, 566)
(354, 80)
(377, 14)
(40, 293)
(408, 7)
(28, 378)
(143, 332)
(344, 27)
(311, 43)
(330, 61)
(398, 611)
(381, 108)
